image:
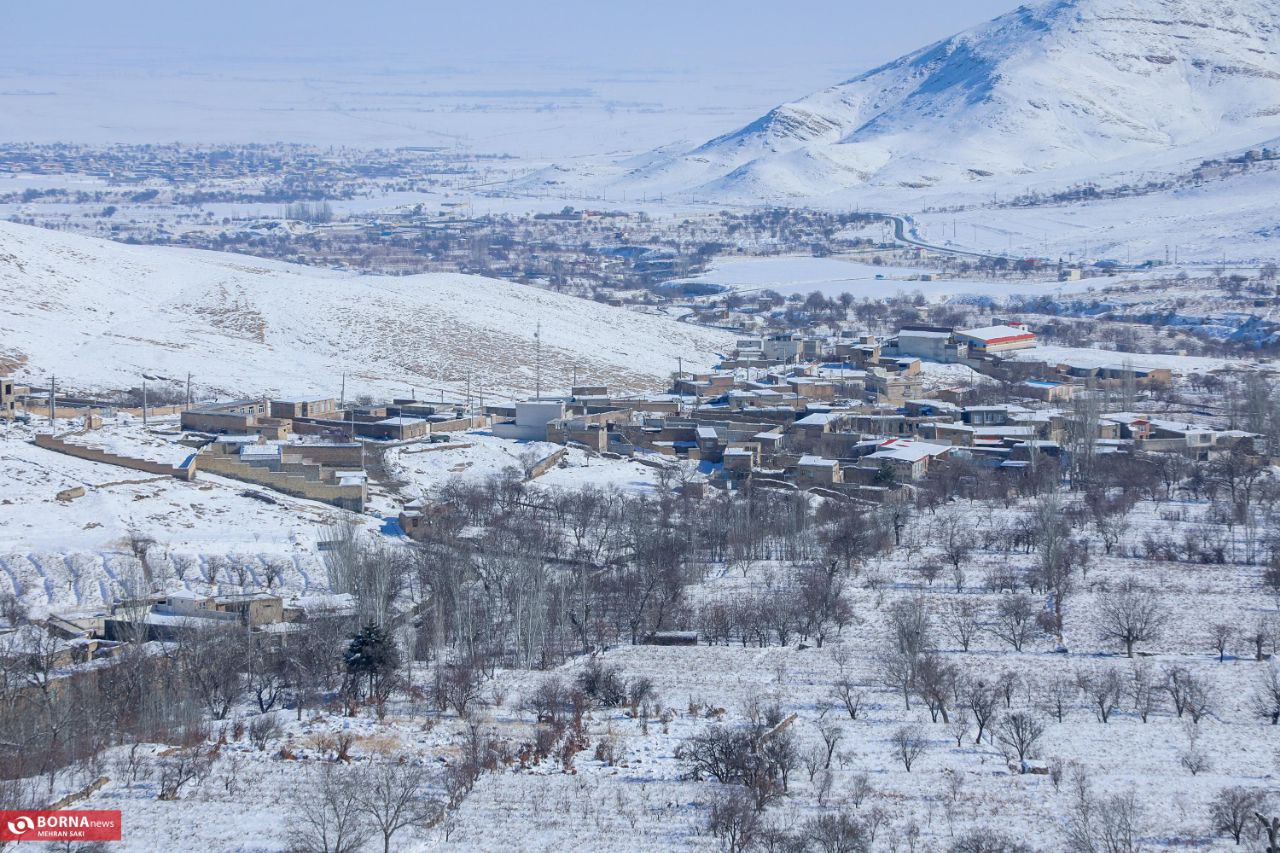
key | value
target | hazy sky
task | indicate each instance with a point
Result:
(540, 79)
(849, 33)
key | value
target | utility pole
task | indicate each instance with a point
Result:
(342, 398)
(537, 355)
(53, 397)
(188, 390)
(144, 403)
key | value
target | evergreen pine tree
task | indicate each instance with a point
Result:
(371, 654)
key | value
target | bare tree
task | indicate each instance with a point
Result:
(1103, 689)
(1014, 620)
(327, 816)
(1020, 731)
(1101, 824)
(849, 693)
(1143, 690)
(909, 636)
(1130, 616)
(935, 683)
(1193, 758)
(371, 572)
(211, 660)
(1057, 693)
(1220, 636)
(909, 743)
(837, 833)
(1266, 695)
(959, 724)
(735, 819)
(961, 619)
(987, 840)
(180, 767)
(953, 531)
(1232, 810)
(982, 702)
(831, 737)
(395, 795)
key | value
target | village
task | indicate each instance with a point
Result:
(740, 546)
(847, 417)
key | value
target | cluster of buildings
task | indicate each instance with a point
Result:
(849, 413)
(69, 639)
(312, 447)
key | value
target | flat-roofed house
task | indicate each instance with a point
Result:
(8, 399)
(929, 343)
(232, 417)
(255, 609)
(738, 462)
(1050, 392)
(531, 421)
(993, 339)
(908, 459)
(818, 471)
(304, 407)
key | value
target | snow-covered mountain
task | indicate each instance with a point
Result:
(1067, 87)
(102, 315)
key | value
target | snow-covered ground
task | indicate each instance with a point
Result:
(1090, 357)
(101, 314)
(476, 456)
(833, 276)
(210, 534)
(215, 534)
(1233, 219)
(1048, 86)
(644, 801)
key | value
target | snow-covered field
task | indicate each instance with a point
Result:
(208, 535)
(834, 276)
(213, 534)
(1232, 218)
(97, 313)
(476, 456)
(643, 800)
(1090, 357)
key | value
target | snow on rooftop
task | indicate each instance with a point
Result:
(815, 461)
(907, 450)
(993, 333)
(261, 450)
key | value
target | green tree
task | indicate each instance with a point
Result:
(372, 655)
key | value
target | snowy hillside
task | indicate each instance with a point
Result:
(1057, 86)
(102, 314)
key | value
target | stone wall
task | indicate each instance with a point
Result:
(346, 497)
(546, 464)
(187, 471)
